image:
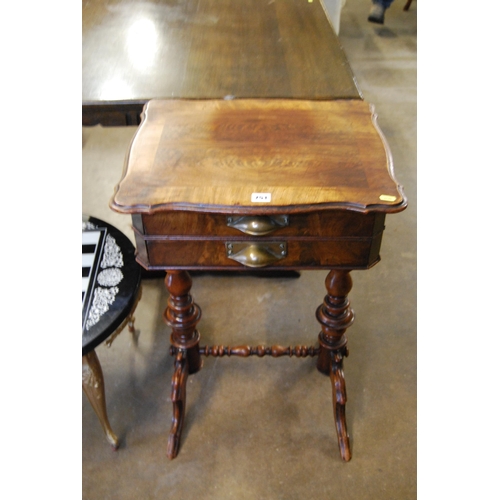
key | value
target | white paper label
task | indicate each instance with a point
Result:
(261, 197)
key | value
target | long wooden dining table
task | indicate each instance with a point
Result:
(137, 50)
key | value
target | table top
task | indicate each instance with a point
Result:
(258, 156)
(110, 281)
(136, 50)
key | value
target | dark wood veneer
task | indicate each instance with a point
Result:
(316, 224)
(206, 49)
(327, 178)
(327, 254)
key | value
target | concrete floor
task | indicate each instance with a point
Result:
(263, 428)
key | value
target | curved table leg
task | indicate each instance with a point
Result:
(339, 401)
(182, 315)
(179, 381)
(335, 316)
(93, 386)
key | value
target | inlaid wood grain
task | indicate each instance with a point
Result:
(332, 223)
(200, 253)
(212, 155)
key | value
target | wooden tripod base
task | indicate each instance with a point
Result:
(334, 315)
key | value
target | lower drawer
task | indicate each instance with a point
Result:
(354, 253)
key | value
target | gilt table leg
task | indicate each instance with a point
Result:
(335, 316)
(93, 386)
(182, 315)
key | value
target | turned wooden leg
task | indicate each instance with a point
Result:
(182, 315)
(93, 386)
(335, 316)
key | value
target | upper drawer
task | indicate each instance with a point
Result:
(323, 224)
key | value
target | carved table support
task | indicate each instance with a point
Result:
(93, 386)
(182, 315)
(335, 316)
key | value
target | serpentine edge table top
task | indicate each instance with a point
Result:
(256, 156)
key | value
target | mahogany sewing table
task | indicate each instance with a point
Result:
(276, 184)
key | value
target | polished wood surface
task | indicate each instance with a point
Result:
(206, 254)
(324, 178)
(313, 240)
(323, 224)
(182, 315)
(194, 166)
(188, 182)
(138, 50)
(335, 316)
(214, 155)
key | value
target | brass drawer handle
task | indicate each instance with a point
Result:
(258, 225)
(256, 254)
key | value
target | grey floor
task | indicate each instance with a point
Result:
(263, 428)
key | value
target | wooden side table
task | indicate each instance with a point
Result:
(256, 183)
(111, 281)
